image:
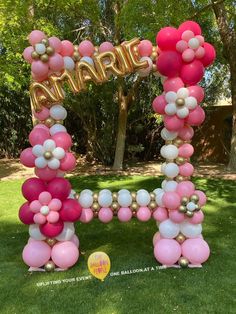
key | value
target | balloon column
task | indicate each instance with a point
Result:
(52, 207)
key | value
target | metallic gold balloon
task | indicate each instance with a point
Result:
(35, 122)
(95, 196)
(45, 41)
(95, 206)
(180, 160)
(180, 178)
(50, 241)
(57, 83)
(194, 198)
(182, 209)
(50, 50)
(76, 196)
(180, 238)
(153, 196)
(184, 200)
(76, 56)
(59, 121)
(34, 55)
(183, 262)
(47, 155)
(133, 194)
(178, 142)
(134, 206)
(154, 56)
(180, 102)
(114, 196)
(86, 72)
(49, 266)
(45, 91)
(168, 142)
(152, 205)
(49, 122)
(154, 68)
(76, 47)
(44, 58)
(123, 60)
(115, 206)
(189, 213)
(197, 208)
(133, 58)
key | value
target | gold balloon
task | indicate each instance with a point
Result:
(59, 121)
(180, 178)
(180, 102)
(183, 262)
(76, 196)
(133, 58)
(153, 196)
(47, 155)
(152, 205)
(154, 56)
(154, 68)
(194, 198)
(50, 241)
(168, 142)
(49, 266)
(115, 206)
(133, 194)
(189, 213)
(114, 196)
(76, 56)
(134, 206)
(49, 122)
(184, 200)
(178, 142)
(45, 91)
(34, 55)
(58, 81)
(95, 196)
(45, 41)
(35, 122)
(86, 72)
(180, 238)
(95, 206)
(180, 160)
(123, 60)
(44, 58)
(197, 208)
(50, 51)
(182, 209)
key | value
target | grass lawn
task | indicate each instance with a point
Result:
(211, 289)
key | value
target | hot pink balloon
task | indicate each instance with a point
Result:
(62, 139)
(41, 126)
(209, 56)
(144, 213)
(124, 214)
(197, 218)
(38, 136)
(43, 114)
(196, 250)
(186, 150)
(67, 48)
(25, 214)
(65, 254)
(86, 48)
(197, 92)
(55, 43)
(159, 104)
(160, 214)
(145, 48)
(27, 158)
(173, 84)
(190, 25)
(39, 68)
(56, 62)
(171, 200)
(157, 237)
(186, 169)
(52, 230)
(202, 197)
(173, 123)
(169, 63)
(46, 173)
(86, 215)
(32, 187)
(106, 46)
(36, 37)
(176, 216)
(36, 253)
(68, 163)
(105, 215)
(75, 240)
(185, 188)
(27, 54)
(167, 38)
(59, 188)
(167, 251)
(192, 73)
(196, 117)
(70, 210)
(186, 133)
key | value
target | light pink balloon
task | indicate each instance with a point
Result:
(176, 216)
(27, 54)
(55, 204)
(171, 200)
(173, 84)
(75, 240)
(38, 136)
(68, 163)
(46, 173)
(186, 150)
(43, 114)
(65, 254)
(186, 133)
(56, 62)
(173, 123)
(159, 104)
(39, 219)
(181, 46)
(45, 198)
(185, 188)
(186, 169)
(86, 48)
(35, 206)
(145, 48)
(196, 116)
(197, 218)
(36, 36)
(188, 55)
(86, 215)
(144, 213)
(55, 43)
(105, 215)
(41, 126)
(27, 158)
(39, 68)
(106, 46)
(197, 92)
(124, 214)
(167, 251)
(187, 35)
(62, 139)
(160, 214)
(200, 52)
(36, 253)
(157, 237)
(67, 48)
(196, 250)
(200, 39)
(202, 197)
(39, 78)
(53, 217)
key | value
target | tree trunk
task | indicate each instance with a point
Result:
(232, 159)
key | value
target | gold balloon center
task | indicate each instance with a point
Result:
(47, 155)
(180, 102)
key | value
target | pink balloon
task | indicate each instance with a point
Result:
(176, 216)
(144, 213)
(105, 215)
(27, 54)
(32, 187)
(53, 217)
(159, 104)
(181, 46)
(59, 188)
(209, 56)
(67, 48)
(202, 197)
(56, 62)
(70, 211)
(106, 46)
(55, 43)
(45, 198)
(27, 158)
(38, 136)
(190, 25)
(169, 63)
(196, 116)
(39, 68)
(25, 214)
(62, 139)
(173, 123)
(167, 38)
(160, 214)
(157, 237)
(36, 253)
(39, 219)
(86, 48)
(197, 218)
(186, 150)
(192, 73)
(75, 240)
(145, 48)
(186, 169)
(195, 250)
(39, 78)
(187, 35)
(68, 163)
(171, 200)
(86, 215)
(65, 254)
(46, 173)
(186, 133)
(197, 92)
(43, 114)
(200, 52)
(35, 206)
(52, 230)
(41, 126)
(55, 204)
(173, 84)
(124, 214)
(36, 37)
(185, 188)
(188, 55)
(167, 251)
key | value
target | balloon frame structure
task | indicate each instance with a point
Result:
(52, 206)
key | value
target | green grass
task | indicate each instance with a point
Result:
(211, 289)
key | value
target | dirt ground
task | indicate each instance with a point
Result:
(12, 169)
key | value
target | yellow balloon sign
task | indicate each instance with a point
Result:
(99, 265)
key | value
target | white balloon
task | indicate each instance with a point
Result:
(58, 112)
(191, 206)
(86, 200)
(124, 199)
(146, 71)
(171, 97)
(170, 186)
(163, 166)
(123, 191)
(59, 153)
(56, 128)
(190, 230)
(69, 63)
(159, 198)
(105, 199)
(35, 232)
(170, 109)
(86, 191)
(105, 191)
(49, 145)
(40, 49)
(44, 210)
(169, 151)
(193, 43)
(158, 191)
(182, 92)
(38, 150)
(54, 163)
(88, 60)
(182, 112)
(72, 194)
(143, 198)
(167, 135)
(40, 162)
(163, 183)
(168, 229)
(171, 170)
(191, 102)
(67, 232)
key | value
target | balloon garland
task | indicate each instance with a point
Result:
(52, 207)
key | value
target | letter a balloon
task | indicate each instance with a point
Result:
(99, 265)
